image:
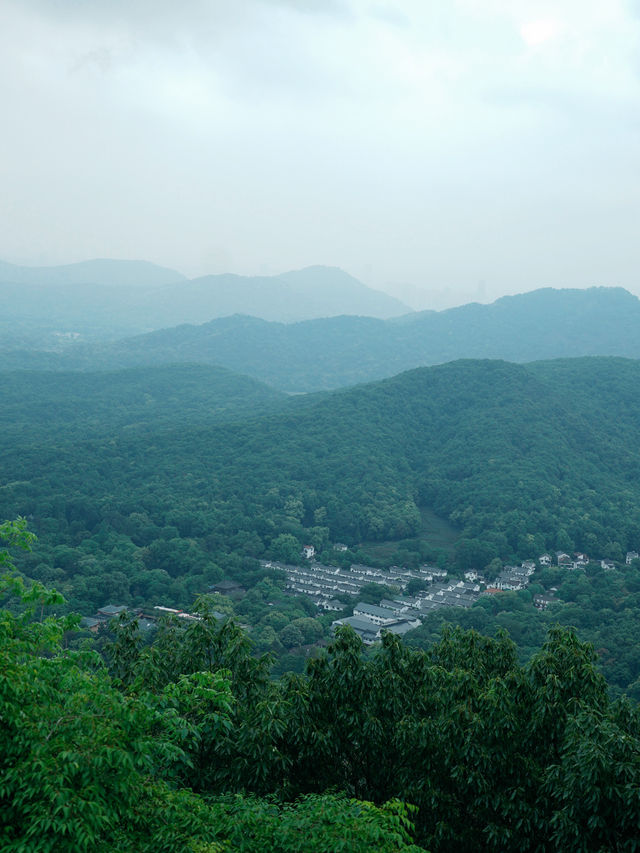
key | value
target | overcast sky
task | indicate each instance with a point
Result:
(442, 150)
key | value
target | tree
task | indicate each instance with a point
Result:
(291, 636)
(415, 585)
(286, 548)
(322, 824)
(493, 569)
(312, 629)
(81, 763)
(372, 593)
(493, 755)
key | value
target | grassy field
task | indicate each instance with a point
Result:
(435, 531)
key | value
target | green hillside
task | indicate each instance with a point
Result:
(341, 351)
(507, 454)
(59, 406)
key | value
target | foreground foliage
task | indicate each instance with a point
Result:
(89, 763)
(187, 744)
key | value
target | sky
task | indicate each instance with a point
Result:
(442, 150)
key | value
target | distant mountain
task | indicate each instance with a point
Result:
(339, 351)
(103, 300)
(314, 292)
(43, 306)
(337, 292)
(102, 271)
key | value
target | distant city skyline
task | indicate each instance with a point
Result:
(443, 153)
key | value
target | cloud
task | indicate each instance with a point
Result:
(333, 8)
(427, 140)
(389, 15)
(540, 30)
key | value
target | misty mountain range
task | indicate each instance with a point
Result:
(328, 353)
(107, 299)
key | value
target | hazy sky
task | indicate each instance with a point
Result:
(442, 150)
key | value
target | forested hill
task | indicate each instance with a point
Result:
(42, 405)
(509, 454)
(341, 351)
(145, 487)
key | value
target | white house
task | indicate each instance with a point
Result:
(377, 615)
(331, 604)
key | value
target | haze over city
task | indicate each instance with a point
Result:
(442, 152)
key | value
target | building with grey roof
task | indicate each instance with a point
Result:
(377, 615)
(364, 628)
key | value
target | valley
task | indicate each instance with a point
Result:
(147, 486)
(319, 427)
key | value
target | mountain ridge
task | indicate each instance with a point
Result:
(335, 352)
(109, 299)
(105, 271)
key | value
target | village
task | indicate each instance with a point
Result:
(398, 613)
(403, 612)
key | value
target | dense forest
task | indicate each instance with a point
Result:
(604, 607)
(519, 458)
(187, 744)
(147, 486)
(253, 726)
